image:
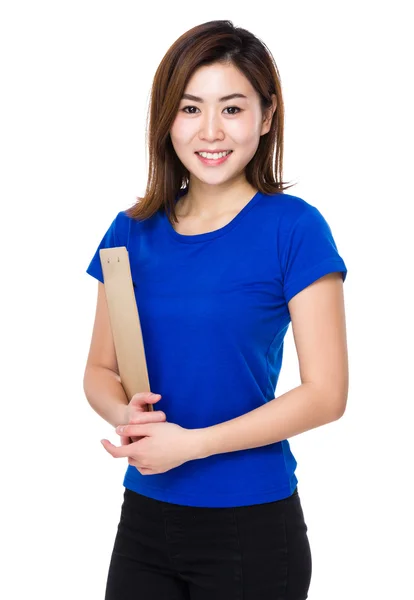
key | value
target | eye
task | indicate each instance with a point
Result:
(232, 108)
(190, 112)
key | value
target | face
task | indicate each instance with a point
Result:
(208, 122)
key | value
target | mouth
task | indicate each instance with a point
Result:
(214, 158)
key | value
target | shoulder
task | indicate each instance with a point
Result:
(122, 224)
(289, 215)
(131, 230)
(290, 208)
(122, 220)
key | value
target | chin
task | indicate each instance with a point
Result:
(213, 180)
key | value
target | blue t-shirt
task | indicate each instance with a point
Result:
(214, 314)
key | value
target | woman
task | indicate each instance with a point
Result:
(222, 261)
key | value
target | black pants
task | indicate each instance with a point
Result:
(166, 551)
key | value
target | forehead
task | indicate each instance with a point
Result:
(210, 81)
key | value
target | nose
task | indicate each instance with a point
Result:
(211, 127)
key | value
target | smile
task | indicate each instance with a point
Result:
(216, 158)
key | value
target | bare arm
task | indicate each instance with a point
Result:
(104, 392)
(101, 382)
(318, 323)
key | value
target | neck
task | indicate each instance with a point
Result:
(205, 201)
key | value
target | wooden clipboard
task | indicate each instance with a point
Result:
(125, 323)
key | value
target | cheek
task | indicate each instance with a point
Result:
(181, 131)
(246, 131)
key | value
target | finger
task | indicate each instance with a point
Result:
(143, 398)
(144, 401)
(148, 417)
(137, 429)
(125, 440)
(130, 439)
(118, 451)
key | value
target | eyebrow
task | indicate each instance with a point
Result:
(223, 99)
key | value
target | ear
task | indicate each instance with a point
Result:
(268, 115)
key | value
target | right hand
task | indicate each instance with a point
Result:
(136, 412)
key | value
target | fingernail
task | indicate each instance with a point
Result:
(119, 429)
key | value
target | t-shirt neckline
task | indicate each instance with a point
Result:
(209, 235)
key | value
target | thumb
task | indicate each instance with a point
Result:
(142, 398)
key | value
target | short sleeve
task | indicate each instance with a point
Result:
(109, 240)
(310, 253)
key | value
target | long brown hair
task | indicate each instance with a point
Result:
(211, 42)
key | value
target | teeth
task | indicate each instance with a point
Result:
(214, 156)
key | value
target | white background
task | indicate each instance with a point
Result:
(75, 79)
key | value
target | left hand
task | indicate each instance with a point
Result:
(163, 446)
